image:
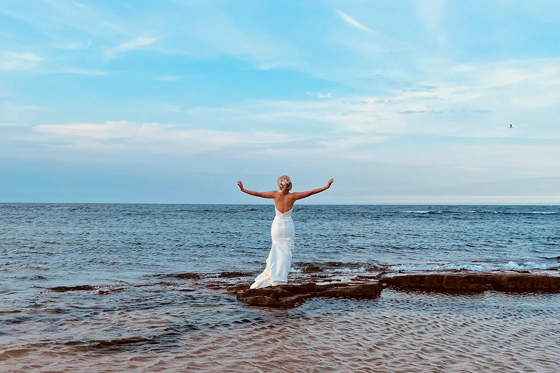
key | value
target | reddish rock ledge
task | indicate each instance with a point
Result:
(294, 295)
(475, 282)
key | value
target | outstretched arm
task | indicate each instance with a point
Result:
(271, 194)
(300, 195)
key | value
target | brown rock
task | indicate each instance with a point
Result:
(475, 282)
(362, 291)
(63, 289)
(285, 302)
(188, 276)
(234, 274)
(521, 282)
(294, 295)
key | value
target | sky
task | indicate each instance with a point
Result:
(173, 101)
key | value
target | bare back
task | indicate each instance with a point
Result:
(284, 202)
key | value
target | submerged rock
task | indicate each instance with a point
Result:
(234, 274)
(475, 282)
(187, 275)
(294, 295)
(63, 289)
(199, 276)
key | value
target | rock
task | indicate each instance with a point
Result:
(188, 275)
(475, 282)
(234, 274)
(63, 289)
(526, 283)
(294, 295)
(198, 276)
(362, 291)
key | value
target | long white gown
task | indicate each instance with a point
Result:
(279, 259)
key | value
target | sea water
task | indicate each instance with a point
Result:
(137, 319)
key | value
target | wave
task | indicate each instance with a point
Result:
(306, 268)
(509, 266)
(433, 212)
(334, 267)
(424, 212)
(199, 276)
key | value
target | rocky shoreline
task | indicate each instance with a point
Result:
(309, 286)
(475, 282)
(370, 287)
(294, 295)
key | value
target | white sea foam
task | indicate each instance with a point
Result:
(347, 270)
(482, 212)
(509, 266)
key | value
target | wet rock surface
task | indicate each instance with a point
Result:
(63, 289)
(475, 282)
(198, 276)
(325, 285)
(294, 295)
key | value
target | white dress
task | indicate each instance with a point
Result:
(279, 259)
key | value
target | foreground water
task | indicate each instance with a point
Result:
(137, 320)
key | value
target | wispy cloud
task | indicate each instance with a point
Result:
(18, 61)
(321, 94)
(155, 137)
(140, 41)
(84, 71)
(137, 43)
(352, 21)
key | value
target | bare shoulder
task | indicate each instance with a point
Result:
(272, 194)
(300, 195)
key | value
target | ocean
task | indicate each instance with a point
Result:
(131, 315)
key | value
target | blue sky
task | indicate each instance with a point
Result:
(174, 101)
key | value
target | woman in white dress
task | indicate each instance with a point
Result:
(282, 231)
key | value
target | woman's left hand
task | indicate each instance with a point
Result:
(240, 185)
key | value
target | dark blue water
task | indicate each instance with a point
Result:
(68, 243)
(123, 248)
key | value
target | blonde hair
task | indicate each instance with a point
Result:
(284, 183)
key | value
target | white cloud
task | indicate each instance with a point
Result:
(321, 94)
(138, 42)
(352, 21)
(18, 61)
(142, 139)
(155, 137)
(84, 72)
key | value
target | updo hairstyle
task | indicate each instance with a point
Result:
(284, 183)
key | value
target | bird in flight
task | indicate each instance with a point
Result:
(511, 126)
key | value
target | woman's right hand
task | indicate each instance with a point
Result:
(329, 183)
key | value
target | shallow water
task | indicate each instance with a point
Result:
(135, 320)
(399, 332)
